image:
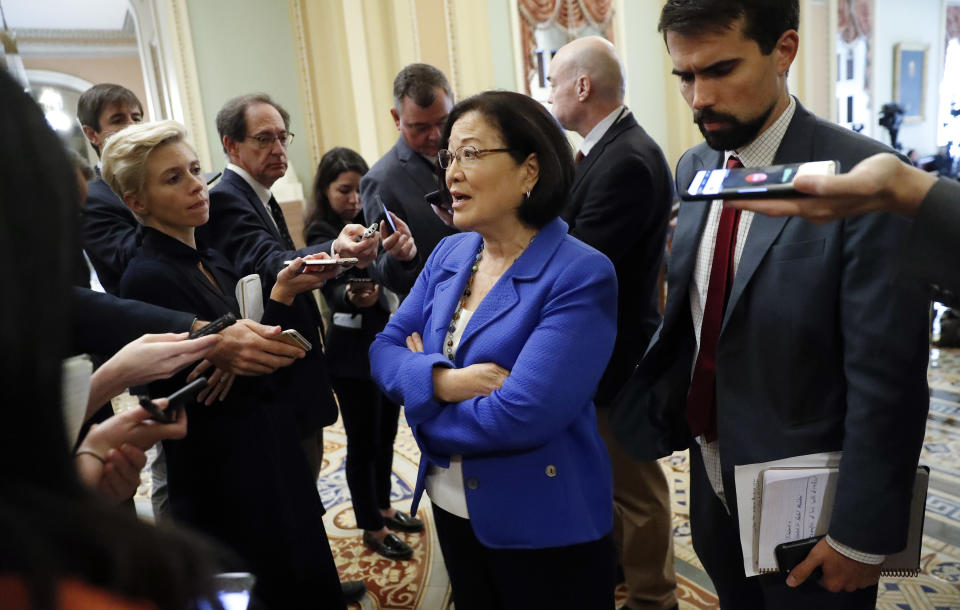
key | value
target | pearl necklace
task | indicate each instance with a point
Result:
(448, 344)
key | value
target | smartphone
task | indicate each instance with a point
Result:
(227, 319)
(440, 198)
(176, 401)
(294, 338)
(386, 214)
(754, 182)
(790, 554)
(327, 262)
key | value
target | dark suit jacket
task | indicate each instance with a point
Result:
(402, 177)
(241, 453)
(620, 205)
(103, 323)
(819, 350)
(930, 254)
(109, 233)
(241, 229)
(346, 347)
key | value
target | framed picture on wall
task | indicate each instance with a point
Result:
(910, 79)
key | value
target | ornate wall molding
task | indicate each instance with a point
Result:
(449, 13)
(308, 92)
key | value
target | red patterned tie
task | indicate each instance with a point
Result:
(702, 399)
(578, 158)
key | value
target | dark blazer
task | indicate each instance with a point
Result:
(103, 323)
(531, 449)
(241, 229)
(241, 453)
(346, 347)
(402, 177)
(620, 204)
(931, 250)
(109, 233)
(819, 350)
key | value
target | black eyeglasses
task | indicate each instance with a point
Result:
(465, 155)
(266, 140)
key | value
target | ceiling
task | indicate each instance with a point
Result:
(65, 14)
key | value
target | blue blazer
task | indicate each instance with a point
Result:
(537, 472)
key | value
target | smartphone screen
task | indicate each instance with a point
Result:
(753, 182)
(386, 214)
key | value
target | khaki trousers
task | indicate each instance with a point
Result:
(642, 527)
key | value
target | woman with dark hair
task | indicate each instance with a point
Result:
(496, 355)
(62, 547)
(360, 311)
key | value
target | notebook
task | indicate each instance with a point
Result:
(795, 503)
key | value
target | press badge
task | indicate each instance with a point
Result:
(348, 320)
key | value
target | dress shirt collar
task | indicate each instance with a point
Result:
(601, 128)
(763, 149)
(263, 193)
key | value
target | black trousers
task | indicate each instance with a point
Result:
(370, 420)
(716, 539)
(575, 577)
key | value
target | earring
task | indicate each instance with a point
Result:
(526, 194)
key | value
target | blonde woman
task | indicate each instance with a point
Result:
(239, 475)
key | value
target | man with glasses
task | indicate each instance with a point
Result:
(620, 204)
(422, 98)
(247, 226)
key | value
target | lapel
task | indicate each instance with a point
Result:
(418, 167)
(233, 180)
(796, 146)
(504, 296)
(583, 168)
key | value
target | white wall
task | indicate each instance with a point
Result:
(642, 51)
(916, 21)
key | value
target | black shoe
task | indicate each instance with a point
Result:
(352, 591)
(391, 547)
(402, 522)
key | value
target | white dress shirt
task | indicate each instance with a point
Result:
(445, 485)
(601, 128)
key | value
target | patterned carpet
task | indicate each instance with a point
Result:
(421, 583)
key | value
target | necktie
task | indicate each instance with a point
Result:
(579, 157)
(702, 399)
(277, 214)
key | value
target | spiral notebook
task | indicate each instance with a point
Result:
(796, 502)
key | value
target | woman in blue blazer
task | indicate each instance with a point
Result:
(496, 355)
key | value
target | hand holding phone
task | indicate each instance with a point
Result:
(790, 554)
(388, 218)
(175, 401)
(775, 181)
(293, 337)
(214, 327)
